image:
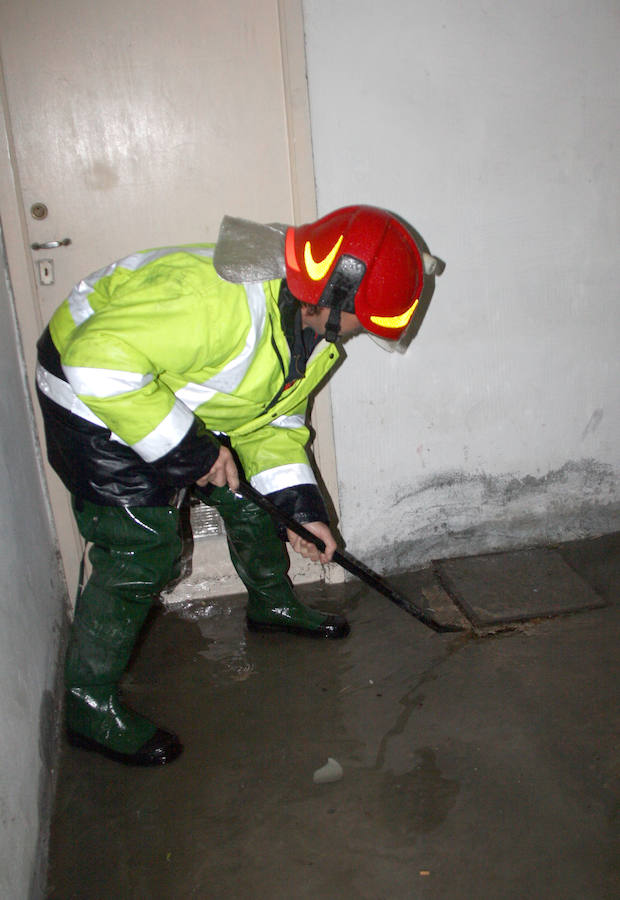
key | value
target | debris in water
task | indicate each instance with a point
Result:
(331, 771)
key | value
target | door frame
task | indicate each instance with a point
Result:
(21, 271)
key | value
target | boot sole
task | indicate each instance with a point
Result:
(160, 750)
(330, 633)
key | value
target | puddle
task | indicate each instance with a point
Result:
(222, 626)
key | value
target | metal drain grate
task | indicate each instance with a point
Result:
(205, 521)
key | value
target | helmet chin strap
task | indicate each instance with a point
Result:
(340, 291)
(332, 328)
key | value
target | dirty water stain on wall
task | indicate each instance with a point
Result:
(458, 513)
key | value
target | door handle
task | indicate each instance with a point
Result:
(51, 245)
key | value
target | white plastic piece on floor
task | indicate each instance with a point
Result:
(331, 771)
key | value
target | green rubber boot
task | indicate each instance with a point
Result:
(261, 562)
(133, 556)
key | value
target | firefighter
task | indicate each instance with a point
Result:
(186, 367)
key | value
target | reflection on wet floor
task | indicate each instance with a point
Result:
(220, 624)
(472, 767)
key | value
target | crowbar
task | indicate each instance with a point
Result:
(345, 560)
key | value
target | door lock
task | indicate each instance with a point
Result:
(38, 211)
(46, 271)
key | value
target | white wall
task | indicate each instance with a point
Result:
(493, 128)
(32, 603)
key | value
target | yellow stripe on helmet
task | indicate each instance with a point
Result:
(318, 270)
(395, 321)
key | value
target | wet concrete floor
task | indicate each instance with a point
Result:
(473, 767)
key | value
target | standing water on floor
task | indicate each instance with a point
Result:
(471, 766)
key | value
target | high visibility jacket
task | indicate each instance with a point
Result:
(160, 353)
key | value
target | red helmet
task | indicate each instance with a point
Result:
(358, 259)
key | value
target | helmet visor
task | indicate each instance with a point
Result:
(399, 346)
